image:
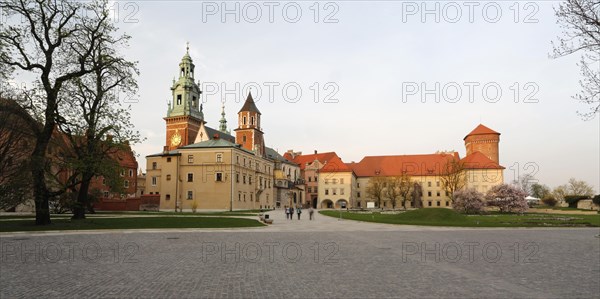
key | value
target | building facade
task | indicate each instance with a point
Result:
(205, 168)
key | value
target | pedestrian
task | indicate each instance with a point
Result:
(291, 213)
(287, 213)
(311, 212)
(299, 211)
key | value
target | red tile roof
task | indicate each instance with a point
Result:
(478, 160)
(335, 164)
(431, 164)
(303, 159)
(481, 130)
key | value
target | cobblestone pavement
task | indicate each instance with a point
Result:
(303, 259)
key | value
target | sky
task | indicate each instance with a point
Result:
(365, 78)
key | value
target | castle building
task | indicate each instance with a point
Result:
(205, 168)
(310, 166)
(480, 169)
(331, 183)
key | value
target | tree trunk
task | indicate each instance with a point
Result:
(82, 197)
(40, 190)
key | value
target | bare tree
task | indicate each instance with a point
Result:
(55, 42)
(376, 188)
(525, 182)
(453, 177)
(580, 22)
(579, 188)
(417, 194)
(391, 190)
(399, 187)
(94, 112)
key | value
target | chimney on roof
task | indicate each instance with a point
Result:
(216, 136)
(315, 152)
(165, 149)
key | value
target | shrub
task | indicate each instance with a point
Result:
(573, 199)
(596, 199)
(194, 206)
(507, 198)
(549, 201)
(468, 201)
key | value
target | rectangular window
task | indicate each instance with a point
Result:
(244, 120)
(153, 181)
(315, 179)
(190, 159)
(357, 194)
(237, 177)
(309, 179)
(341, 181)
(429, 193)
(190, 177)
(244, 178)
(237, 159)
(439, 204)
(178, 99)
(154, 165)
(105, 194)
(190, 195)
(126, 183)
(326, 191)
(438, 194)
(315, 189)
(169, 160)
(334, 181)
(240, 196)
(429, 203)
(168, 177)
(168, 197)
(447, 203)
(130, 172)
(428, 184)
(309, 190)
(334, 191)
(219, 176)
(357, 185)
(219, 158)
(249, 180)
(341, 191)
(250, 196)
(437, 183)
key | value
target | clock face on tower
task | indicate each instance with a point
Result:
(175, 138)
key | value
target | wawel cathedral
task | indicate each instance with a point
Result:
(201, 167)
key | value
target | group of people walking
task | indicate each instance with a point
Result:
(289, 212)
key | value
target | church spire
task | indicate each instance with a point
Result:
(223, 121)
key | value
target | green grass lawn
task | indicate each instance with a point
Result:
(200, 213)
(446, 217)
(559, 208)
(129, 223)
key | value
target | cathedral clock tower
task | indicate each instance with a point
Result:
(184, 114)
(248, 133)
